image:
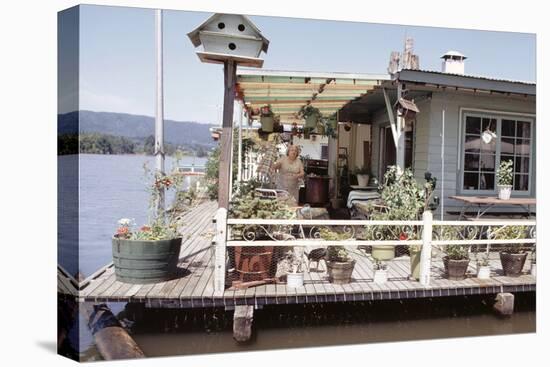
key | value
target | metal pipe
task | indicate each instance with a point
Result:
(159, 107)
(442, 200)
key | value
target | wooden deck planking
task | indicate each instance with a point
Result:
(196, 290)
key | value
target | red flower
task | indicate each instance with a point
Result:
(122, 231)
(403, 236)
(145, 229)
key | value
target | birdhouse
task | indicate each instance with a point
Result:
(407, 109)
(229, 36)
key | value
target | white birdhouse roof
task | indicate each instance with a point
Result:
(194, 34)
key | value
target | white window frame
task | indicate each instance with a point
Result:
(499, 116)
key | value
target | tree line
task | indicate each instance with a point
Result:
(97, 143)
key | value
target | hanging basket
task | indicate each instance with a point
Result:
(311, 121)
(267, 123)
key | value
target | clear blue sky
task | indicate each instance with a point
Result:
(117, 61)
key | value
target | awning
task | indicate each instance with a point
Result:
(288, 91)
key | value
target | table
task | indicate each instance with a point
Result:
(484, 203)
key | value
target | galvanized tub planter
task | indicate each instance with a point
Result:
(383, 252)
(142, 262)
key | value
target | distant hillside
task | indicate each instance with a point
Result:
(182, 133)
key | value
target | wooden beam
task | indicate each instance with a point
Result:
(224, 178)
(242, 323)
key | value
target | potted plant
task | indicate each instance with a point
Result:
(320, 128)
(362, 174)
(267, 119)
(504, 179)
(295, 273)
(255, 262)
(403, 199)
(380, 272)
(340, 264)
(149, 254)
(534, 262)
(512, 256)
(311, 115)
(456, 261)
(483, 268)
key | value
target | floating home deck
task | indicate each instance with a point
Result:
(193, 288)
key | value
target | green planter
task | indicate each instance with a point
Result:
(321, 129)
(142, 262)
(267, 123)
(311, 121)
(415, 263)
(383, 252)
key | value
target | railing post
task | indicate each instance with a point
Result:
(220, 239)
(426, 254)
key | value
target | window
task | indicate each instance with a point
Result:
(324, 151)
(481, 159)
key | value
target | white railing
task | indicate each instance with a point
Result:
(296, 232)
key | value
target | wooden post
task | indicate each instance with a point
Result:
(426, 254)
(400, 127)
(242, 323)
(220, 239)
(504, 304)
(240, 153)
(226, 148)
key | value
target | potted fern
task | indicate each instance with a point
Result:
(504, 179)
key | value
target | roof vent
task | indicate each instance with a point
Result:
(453, 62)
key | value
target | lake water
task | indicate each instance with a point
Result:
(112, 187)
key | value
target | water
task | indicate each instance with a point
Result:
(171, 332)
(112, 187)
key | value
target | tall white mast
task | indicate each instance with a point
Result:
(159, 107)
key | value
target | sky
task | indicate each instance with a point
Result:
(117, 56)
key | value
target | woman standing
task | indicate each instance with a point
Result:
(291, 171)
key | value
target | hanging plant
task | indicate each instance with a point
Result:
(267, 119)
(311, 115)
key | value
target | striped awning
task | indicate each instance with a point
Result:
(288, 91)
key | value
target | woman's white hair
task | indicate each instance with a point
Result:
(293, 146)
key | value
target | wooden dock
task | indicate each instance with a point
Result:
(193, 288)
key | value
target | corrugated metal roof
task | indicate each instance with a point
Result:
(473, 76)
(467, 81)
